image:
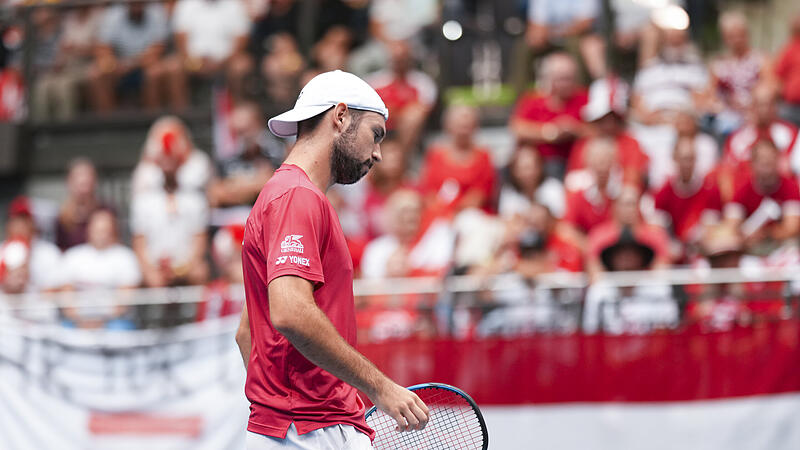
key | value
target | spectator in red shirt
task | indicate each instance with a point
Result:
(720, 306)
(551, 117)
(690, 198)
(763, 123)
(219, 299)
(590, 198)
(605, 113)
(767, 207)
(409, 94)
(457, 173)
(532, 244)
(630, 308)
(626, 216)
(787, 70)
(560, 254)
(382, 181)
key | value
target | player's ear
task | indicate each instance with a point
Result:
(340, 117)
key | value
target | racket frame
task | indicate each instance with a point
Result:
(457, 391)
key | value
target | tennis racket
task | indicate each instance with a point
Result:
(455, 422)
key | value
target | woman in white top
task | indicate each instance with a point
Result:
(526, 183)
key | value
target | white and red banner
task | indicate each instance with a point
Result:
(183, 388)
(689, 389)
(64, 388)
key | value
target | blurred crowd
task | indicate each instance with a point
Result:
(690, 160)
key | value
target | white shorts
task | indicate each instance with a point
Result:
(334, 437)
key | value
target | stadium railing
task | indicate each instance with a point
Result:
(460, 306)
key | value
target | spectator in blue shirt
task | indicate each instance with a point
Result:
(131, 43)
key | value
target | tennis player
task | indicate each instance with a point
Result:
(298, 330)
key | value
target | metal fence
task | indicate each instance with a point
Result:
(465, 306)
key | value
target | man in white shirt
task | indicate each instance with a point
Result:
(210, 37)
(100, 264)
(169, 237)
(408, 249)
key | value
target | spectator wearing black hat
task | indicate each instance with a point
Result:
(628, 307)
(626, 218)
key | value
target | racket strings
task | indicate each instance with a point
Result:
(453, 424)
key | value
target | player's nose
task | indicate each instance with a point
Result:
(376, 154)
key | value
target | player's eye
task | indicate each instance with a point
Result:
(378, 133)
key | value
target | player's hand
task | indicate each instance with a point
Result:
(403, 406)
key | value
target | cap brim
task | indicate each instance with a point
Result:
(285, 125)
(593, 114)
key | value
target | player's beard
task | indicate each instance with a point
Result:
(345, 167)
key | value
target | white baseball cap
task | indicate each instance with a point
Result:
(606, 95)
(323, 92)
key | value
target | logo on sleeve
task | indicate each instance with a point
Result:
(293, 259)
(291, 243)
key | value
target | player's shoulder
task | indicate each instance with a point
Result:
(290, 185)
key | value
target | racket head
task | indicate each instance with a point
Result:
(455, 422)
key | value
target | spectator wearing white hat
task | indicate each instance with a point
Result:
(606, 113)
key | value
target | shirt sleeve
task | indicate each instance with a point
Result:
(586, 9)
(427, 179)
(129, 273)
(108, 25)
(195, 209)
(426, 88)
(571, 210)
(138, 215)
(181, 17)
(538, 12)
(782, 65)
(238, 19)
(160, 25)
(735, 209)
(790, 204)
(295, 234)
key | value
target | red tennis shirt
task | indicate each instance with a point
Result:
(293, 230)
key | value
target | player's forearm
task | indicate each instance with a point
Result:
(315, 337)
